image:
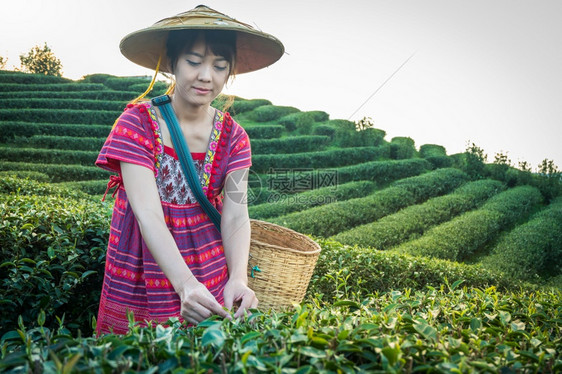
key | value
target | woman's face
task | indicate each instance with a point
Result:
(200, 75)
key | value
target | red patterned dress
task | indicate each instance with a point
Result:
(133, 281)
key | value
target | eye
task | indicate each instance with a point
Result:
(193, 63)
(221, 68)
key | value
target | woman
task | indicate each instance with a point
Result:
(165, 257)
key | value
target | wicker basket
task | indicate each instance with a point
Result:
(280, 265)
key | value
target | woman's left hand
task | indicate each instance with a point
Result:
(237, 292)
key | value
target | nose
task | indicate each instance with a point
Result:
(205, 72)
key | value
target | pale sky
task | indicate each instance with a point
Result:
(484, 71)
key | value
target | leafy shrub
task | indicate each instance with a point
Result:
(415, 220)
(66, 87)
(52, 103)
(266, 113)
(13, 185)
(459, 238)
(96, 78)
(58, 173)
(382, 172)
(48, 156)
(52, 258)
(322, 159)
(264, 132)
(432, 150)
(326, 130)
(348, 136)
(60, 142)
(440, 161)
(532, 249)
(330, 219)
(33, 175)
(402, 148)
(242, 106)
(105, 95)
(465, 330)
(60, 116)
(94, 187)
(303, 120)
(11, 130)
(278, 204)
(124, 83)
(289, 144)
(17, 78)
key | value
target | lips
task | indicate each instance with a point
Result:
(202, 90)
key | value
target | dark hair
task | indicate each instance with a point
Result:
(219, 42)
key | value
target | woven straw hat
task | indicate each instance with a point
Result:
(254, 49)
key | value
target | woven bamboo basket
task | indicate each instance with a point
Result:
(280, 265)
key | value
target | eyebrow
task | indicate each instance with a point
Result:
(219, 58)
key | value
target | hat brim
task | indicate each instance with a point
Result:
(254, 49)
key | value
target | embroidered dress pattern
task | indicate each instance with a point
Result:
(133, 282)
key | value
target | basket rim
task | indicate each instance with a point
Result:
(317, 249)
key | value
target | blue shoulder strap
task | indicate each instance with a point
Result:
(184, 156)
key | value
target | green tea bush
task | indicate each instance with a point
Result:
(33, 175)
(325, 130)
(13, 185)
(57, 87)
(330, 219)
(158, 89)
(266, 113)
(382, 172)
(12, 130)
(279, 204)
(96, 78)
(60, 142)
(48, 156)
(52, 103)
(347, 136)
(440, 161)
(402, 148)
(58, 173)
(13, 77)
(432, 150)
(60, 116)
(532, 250)
(242, 106)
(461, 237)
(124, 83)
(52, 258)
(94, 187)
(105, 95)
(289, 144)
(323, 159)
(264, 132)
(415, 220)
(303, 121)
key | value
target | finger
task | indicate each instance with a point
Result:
(246, 303)
(211, 304)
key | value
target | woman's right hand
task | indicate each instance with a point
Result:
(198, 304)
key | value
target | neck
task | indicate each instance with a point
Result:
(188, 113)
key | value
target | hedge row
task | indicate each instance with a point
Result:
(58, 173)
(106, 95)
(464, 235)
(12, 184)
(57, 87)
(52, 258)
(347, 136)
(280, 204)
(25, 175)
(402, 148)
(13, 77)
(60, 116)
(303, 121)
(94, 187)
(289, 144)
(12, 130)
(324, 159)
(264, 132)
(52, 103)
(328, 220)
(382, 172)
(60, 142)
(243, 106)
(266, 113)
(48, 156)
(413, 221)
(532, 250)
(432, 150)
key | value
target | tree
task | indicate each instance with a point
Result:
(3, 63)
(364, 124)
(474, 160)
(549, 180)
(41, 60)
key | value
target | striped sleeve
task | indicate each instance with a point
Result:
(131, 140)
(240, 152)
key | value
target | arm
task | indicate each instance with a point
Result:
(197, 303)
(235, 228)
